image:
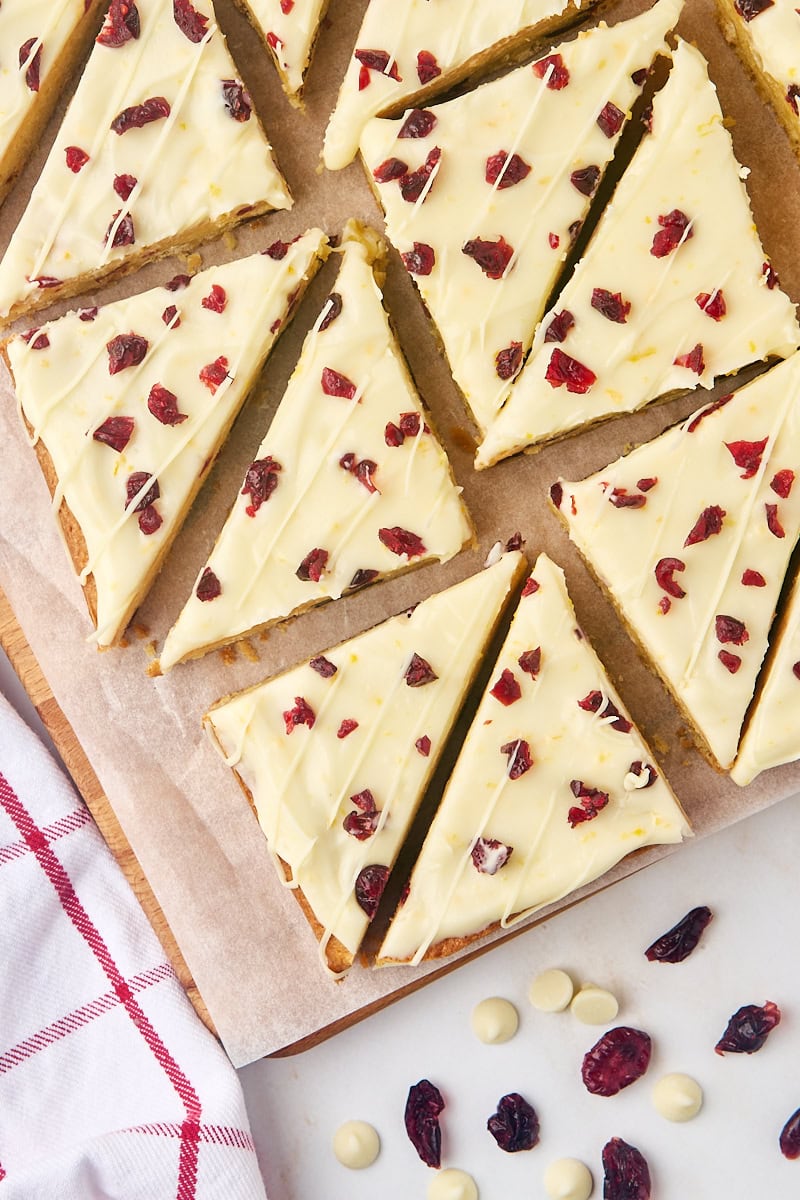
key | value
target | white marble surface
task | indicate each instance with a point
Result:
(747, 875)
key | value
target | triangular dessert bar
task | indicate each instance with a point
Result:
(289, 29)
(128, 405)
(554, 785)
(484, 194)
(674, 289)
(348, 486)
(335, 755)
(160, 149)
(767, 35)
(691, 535)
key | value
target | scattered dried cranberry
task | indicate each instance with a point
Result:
(170, 316)
(675, 228)
(361, 578)
(136, 489)
(507, 362)
(531, 661)
(557, 73)
(611, 714)
(150, 520)
(506, 689)
(301, 714)
(748, 1029)
(622, 498)
(617, 1060)
(76, 158)
(585, 180)
(419, 672)
(773, 524)
(626, 1173)
(489, 855)
(423, 745)
(610, 119)
(789, 1140)
(214, 374)
(730, 629)
(515, 542)
(34, 66)
(416, 182)
(707, 525)
(782, 482)
(562, 369)
(87, 314)
(236, 99)
(792, 92)
(611, 305)
(752, 578)
(402, 542)
(44, 281)
(515, 1125)
(121, 232)
(731, 662)
(323, 666)
(751, 8)
(678, 942)
(125, 350)
(124, 185)
(505, 170)
(665, 568)
(560, 326)
(423, 1108)
(531, 585)
(115, 432)
(286, 7)
(375, 60)
(519, 757)
(362, 822)
(389, 169)
(260, 482)
(420, 260)
(216, 299)
(713, 407)
(693, 359)
(796, 670)
(312, 566)
(639, 769)
(553, 240)
(121, 24)
(208, 587)
(665, 604)
(189, 20)
(139, 115)
(770, 275)
(369, 887)
(347, 726)
(163, 404)
(747, 455)
(492, 257)
(713, 304)
(427, 67)
(592, 803)
(333, 308)
(334, 384)
(418, 124)
(35, 339)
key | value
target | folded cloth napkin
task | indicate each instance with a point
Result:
(110, 1086)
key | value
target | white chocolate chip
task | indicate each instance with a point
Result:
(568, 1179)
(494, 1020)
(356, 1144)
(594, 1005)
(494, 555)
(551, 991)
(677, 1097)
(452, 1184)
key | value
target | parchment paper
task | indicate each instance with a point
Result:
(243, 936)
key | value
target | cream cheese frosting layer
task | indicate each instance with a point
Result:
(336, 753)
(691, 535)
(159, 140)
(674, 289)
(289, 28)
(508, 172)
(426, 46)
(553, 786)
(772, 735)
(349, 483)
(140, 394)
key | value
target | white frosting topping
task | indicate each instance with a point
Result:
(68, 396)
(195, 165)
(684, 170)
(356, 1144)
(318, 507)
(289, 27)
(494, 1020)
(677, 1097)
(303, 783)
(774, 35)
(568, 1179)
(733, 567)
(594, 1005)
(451, 31)
(551, 991)
(486, 318)
(578, 761)
(772, 735)
(452, 1184)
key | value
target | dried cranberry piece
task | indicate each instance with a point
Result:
(752, 578)
(170, 316)
(492, 257)
(592, 803)
(506, 689)
(610, 713)
(427, 67)
(121, 232)
(214, 374)
(216, 299)
(87, 314)
(402, 542)
(773, 524)
(622, 498)
(423, 745)
(515, 542)
(323, 666)
(156, 108)
(519, 757)
(334, 384)
(640, 769)
(796, 670)
(626, 1175)
(393, 435)
(125, 350)
(617, 1060)
(121, 24)
(419, 672)
(369, 887)
(665, 604)
(507, 362)
(770, 275)
(416, 182)
(665, 568)
(531, 661)
(707, 525)
(747, 455)
(713, 407)
(44, 281)
(789, 1140)
(585, 180)
(557, 73)
(693, 359)
(376, 60)
(782, 482)
(76, 158)
(150, 520)
(389, 169)
(573, 231)
(418, 124)
(731, 629)
(515, 1125)
(678, 942)
(312, 566)
(333, 308)
(362, 822)
(751, 8)
(35, 339)
(115, 432)
(136, 486)
(177, 283)
(361, 578)
(792, 92)
(286, 7)
(553, 240)
(189, 20)
(748, 1029)
(675, 228)
(713, 304)
(301, 714)
(611, 305)
(420, 260)
(562, 369)
(610, 119)
(208, 587)
(530, 586)
(124, 185)
(507, 169)
(489, 855)
(423, 1108)
(560, 326)
(236, 99)
(163, 404)
(731, 662)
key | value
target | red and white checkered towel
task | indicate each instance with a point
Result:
(110, 1086)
